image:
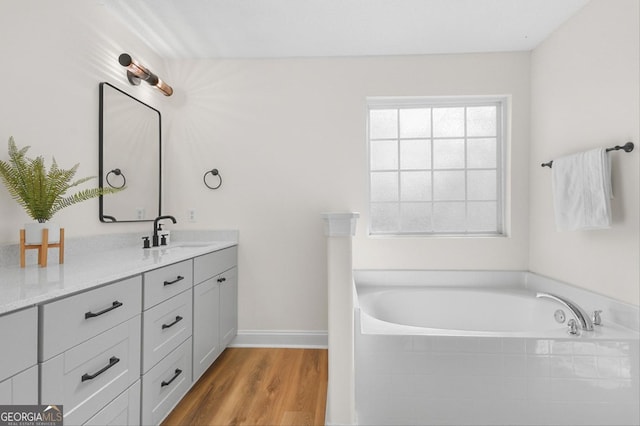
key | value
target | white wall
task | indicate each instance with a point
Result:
(54, 54)
(288, 137)
(586, 94)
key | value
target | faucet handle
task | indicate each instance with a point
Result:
(573, 327)
(597, 319)
(145, 242)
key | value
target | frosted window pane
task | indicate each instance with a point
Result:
(384, 186)
(384, 217)
(449, 217)
(448, 154)
(384, 155)
(415, 217)
(415, 154)
(481, 185)
(448, 185)
(448, 122)
(482, 217)
(481, 121)
(415, 186)
(481, 153)
(415, 123)
(383, 123)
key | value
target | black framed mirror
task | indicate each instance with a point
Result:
(130, 141)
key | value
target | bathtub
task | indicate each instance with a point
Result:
(478, 348)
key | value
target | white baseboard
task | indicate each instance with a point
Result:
(280, 339)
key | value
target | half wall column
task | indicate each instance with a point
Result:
(340, 229)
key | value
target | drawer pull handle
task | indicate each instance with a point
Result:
(179, 278)
(178, 319)
(221, 280)
(113, 306)
(175, 376)
(112, 361)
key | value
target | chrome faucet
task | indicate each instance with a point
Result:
(578, 312)
(155, 228)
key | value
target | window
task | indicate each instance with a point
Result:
(435, 166)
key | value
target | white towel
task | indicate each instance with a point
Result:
(582, 191)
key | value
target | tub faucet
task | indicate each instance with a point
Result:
(155, 228)
(578, 312)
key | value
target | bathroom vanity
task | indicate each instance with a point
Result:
(120, 336)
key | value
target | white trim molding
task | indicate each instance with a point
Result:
(280, 339)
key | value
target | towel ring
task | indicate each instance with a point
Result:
(116, 172)
(213, 172)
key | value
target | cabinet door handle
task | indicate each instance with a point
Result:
(221, 280)
(179, 278)
(178, 319)
(175, 376)
(112, 361)
(113, 306)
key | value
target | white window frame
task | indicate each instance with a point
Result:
(502, 103)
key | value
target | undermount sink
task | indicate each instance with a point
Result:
(189, 244)
(181, 245)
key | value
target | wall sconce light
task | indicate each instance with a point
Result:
(137, 72)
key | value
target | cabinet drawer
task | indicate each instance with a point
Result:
(163, 283)
(87, 377)
(165, 384)
(164, 327)
(211, 264)
(122, 411)
(21, 389)
(19, 331)
(70, 321)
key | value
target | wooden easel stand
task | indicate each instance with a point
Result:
(43, 248)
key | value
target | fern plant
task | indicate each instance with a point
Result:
(40, 192)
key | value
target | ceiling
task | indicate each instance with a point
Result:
(315, 28)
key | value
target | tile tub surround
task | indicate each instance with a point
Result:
(98, 260)
(426, 379)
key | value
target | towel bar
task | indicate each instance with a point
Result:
(628, 147)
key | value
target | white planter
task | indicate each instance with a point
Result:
(33, 232)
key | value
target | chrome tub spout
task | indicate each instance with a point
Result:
(578, 312)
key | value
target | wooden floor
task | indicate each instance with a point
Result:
(258, 386)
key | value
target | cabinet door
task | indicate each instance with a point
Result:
(21, 389)
(228, 306)
(19, 339)
(206, 344)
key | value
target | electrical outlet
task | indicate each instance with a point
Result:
(140, 213)
(191, 214)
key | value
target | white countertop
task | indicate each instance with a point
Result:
(23, 287)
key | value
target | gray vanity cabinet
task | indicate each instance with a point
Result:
(214, 302)
(121, 352)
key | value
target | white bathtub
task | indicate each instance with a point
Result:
(461, 310)
(456, 348)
